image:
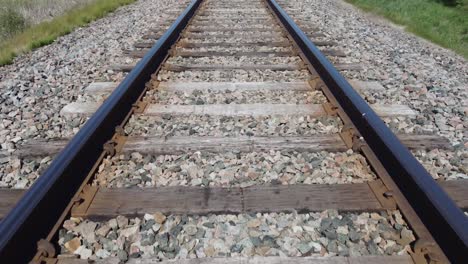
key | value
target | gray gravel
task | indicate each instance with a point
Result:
(239, 48)
(167, 125)
(234, 39)
(21, 173)
(430, 79)
(38, 84)
(198, 97)
(235, 76)
(233, 169)
(232, 26)
(231, 60)
(326, 233)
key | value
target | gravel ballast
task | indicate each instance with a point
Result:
(326, 233)
(230, 169)
(235, 76)
(198, 97)
(414, 72)
(38, 84)
(206, 125)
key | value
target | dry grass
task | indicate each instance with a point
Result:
(28, 24)
(17, 15)
(36, 11)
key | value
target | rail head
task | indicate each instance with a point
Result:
(37, 212)
(440, 214)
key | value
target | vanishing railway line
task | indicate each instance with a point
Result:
(233, 111)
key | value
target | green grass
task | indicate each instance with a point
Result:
(11, 22)
(444, 24)
(46, 32)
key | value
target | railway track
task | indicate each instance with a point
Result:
(234, 137)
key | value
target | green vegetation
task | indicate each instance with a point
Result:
(18, 36)
(444, 22)
(11, 22)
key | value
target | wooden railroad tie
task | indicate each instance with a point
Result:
(183, 144)
(105, 88)
(221, 67)
(110, 202)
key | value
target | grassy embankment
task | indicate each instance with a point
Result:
(444, 22)
(26, 24)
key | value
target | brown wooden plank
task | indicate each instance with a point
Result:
(122, 67)
(186, 53)
(235, 15)
(8, 198)
(303, 24)
(111, 202)
(315, 110)
(324, 43)
(233, 86)
(168, 200)
(206, 200)
(348, 66)
(250, 19)
(428, 142)
(187, 44)
(226, 23)
(196, 53)
(190, 53)
(334, 53)
(41, 148)
(154, 36)
(315, 34)
(307, 198)
(403, 259)
(255, 53)
(175, 86)
(136, 53)
(227, 29)
(229, 67)
(202, 36)
(457, 190)
(211, 67)
(107, 87)
(143, 45)
(237, 109)
(233, 10)
(265, 34)
(180, 145)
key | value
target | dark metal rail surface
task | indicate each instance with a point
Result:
(438, 211)
(37, 212)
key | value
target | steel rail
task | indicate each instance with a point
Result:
(34, 216)
(446, 222)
